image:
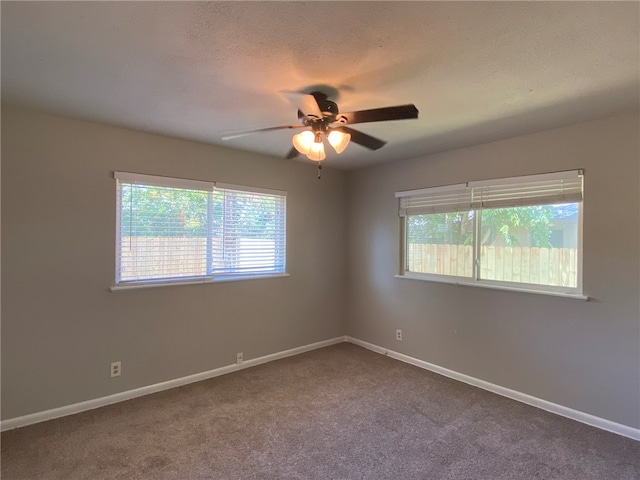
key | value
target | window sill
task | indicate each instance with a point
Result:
(459, 282)
(176, 283)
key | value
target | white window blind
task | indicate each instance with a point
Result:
(451, 198)
(545, 189)
(175, 229)
(249, 236)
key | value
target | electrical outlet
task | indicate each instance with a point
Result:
(399, 335)
(239, 358)
(116, 369)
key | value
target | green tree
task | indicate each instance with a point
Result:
(441, 228)
(252, 216)
(498, 225)
(173, 212)
(163, 212)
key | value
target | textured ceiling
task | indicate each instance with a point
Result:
(477, 71)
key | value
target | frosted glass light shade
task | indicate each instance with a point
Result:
(316, 152)
(303, 141)
(339, 140)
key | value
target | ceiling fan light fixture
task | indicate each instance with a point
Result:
(304, 141)
(316, 152)
(339, 140)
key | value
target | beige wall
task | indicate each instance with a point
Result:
(583, 355)
(61, 326)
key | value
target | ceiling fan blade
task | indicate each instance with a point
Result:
(229, 136)
(307, 104)
(399, 112)
(293, 153)
(372, 143)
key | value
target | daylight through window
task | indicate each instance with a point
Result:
(522, 232)
(174, 230)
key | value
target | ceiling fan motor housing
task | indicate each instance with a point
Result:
(328, 108)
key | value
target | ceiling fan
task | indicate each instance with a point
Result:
(321, 118)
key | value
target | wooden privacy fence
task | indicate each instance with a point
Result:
(547, 266)
(154, 257)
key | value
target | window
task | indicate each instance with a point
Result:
(521, 233)
(172, 229)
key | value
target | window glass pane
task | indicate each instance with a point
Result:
(440, 243)
(535, 245)
(251, 234)
(163, 232)
(171, 233)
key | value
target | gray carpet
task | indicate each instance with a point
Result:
(341, 412)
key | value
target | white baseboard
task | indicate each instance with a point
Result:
(587, 418)
(139, 392)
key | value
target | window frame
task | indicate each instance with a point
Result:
(475, 280)
(194, 185)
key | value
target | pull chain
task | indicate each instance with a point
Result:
(319, 170)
